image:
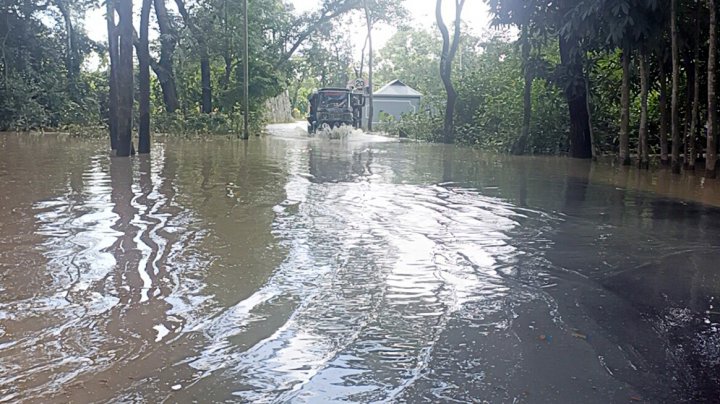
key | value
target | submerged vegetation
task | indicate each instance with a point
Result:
(632, 78)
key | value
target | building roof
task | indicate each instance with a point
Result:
(397, 88)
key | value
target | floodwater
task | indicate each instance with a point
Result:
(296, 269)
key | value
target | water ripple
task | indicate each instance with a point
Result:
(107, 245)
(374, 272)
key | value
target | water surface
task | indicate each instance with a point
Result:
(295, 269)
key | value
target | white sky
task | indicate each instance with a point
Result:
(422, 15)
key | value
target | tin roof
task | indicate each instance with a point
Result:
(397, 88)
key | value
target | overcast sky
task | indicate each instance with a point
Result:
(422, 15)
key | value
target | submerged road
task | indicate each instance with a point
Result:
(361, 269)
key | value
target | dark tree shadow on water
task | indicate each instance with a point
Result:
(124, 249)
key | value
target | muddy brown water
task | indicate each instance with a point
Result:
(295, 269)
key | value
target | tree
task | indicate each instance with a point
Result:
(144, 80)
(41, 85)
(572, 61)
(569, 21)
(246, 74)
(205, 80)
(674, 107)
(711, 150)
(489, 110)
(369, 25)
(643, 147)
(583, 27)
(113, 53)
(625, 110)
(376, 11)
(520, 145)
(164, 67)
(71, 54)
(691, 152)
(446, 58)
(124, 78)
(325, 61)
(310, 22)
(606, 25)
(662, 101)
(414, 55)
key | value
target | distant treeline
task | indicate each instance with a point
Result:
(196, 60)
(580, 77)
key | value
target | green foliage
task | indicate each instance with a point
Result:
(36, 89)
(327, 58)
(417, 126)
(413, 56)
(198, 123)
(325, 62)
(489, 81)
(550, 121)
(20, 107)
(42, 83)
(594, 32)
(606, 79)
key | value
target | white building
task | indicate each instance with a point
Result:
(395, 98)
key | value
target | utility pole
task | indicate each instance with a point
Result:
(246, 84)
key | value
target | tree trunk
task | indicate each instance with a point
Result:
(205, 83)
(521, 143)
(125, 78)
(593, 145)
(675, 115)
(246, 72)
(711, 152)
(112, 79)
(691, 81)
(664, 158)
(371, 113)
(227, 54)
(644, 148)
(228, 71)
(144, 80)
(71, 58)
(446, 58)
(576, 96)
(362, 56)
(692, 142)
(206, 106)
(625, 109)
(164, 68)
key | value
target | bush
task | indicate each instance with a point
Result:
(19, 106)
(214, 123)
(418, 126)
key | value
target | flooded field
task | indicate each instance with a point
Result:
(361, 269)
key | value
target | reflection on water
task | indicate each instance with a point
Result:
(315, 270)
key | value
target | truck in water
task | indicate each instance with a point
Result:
(334, 107)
